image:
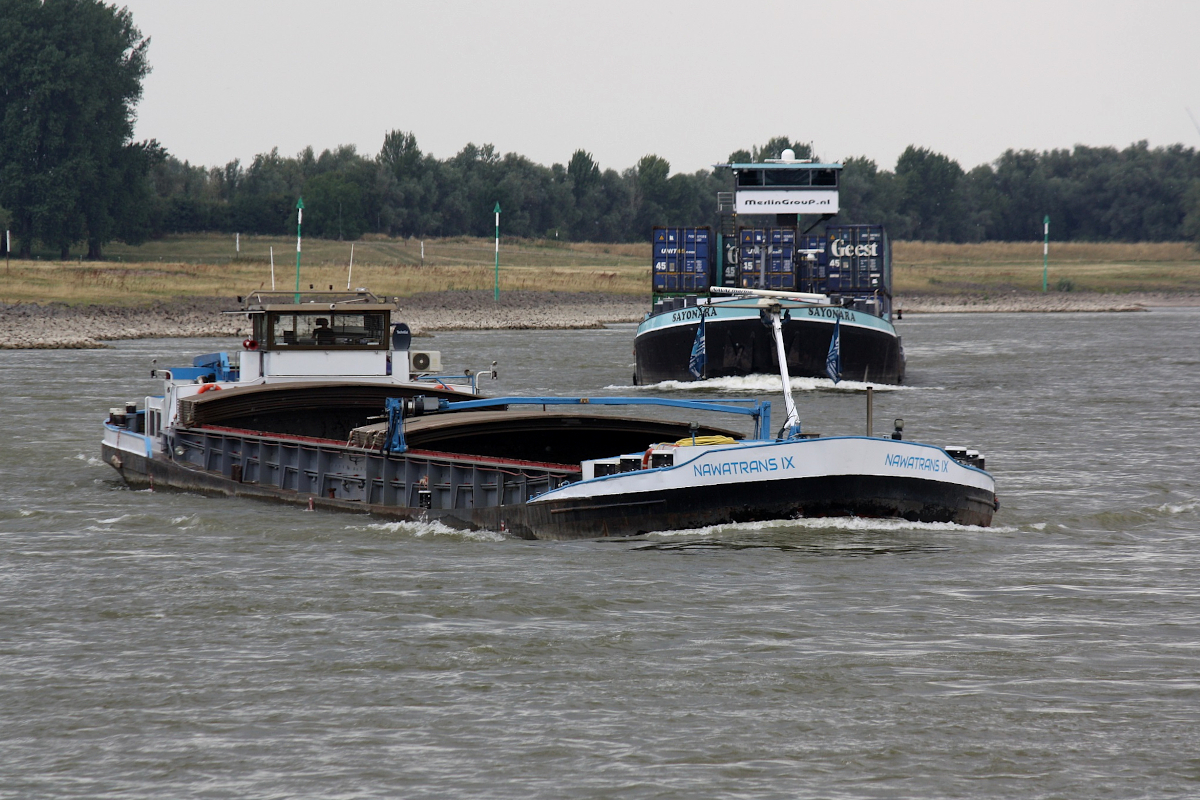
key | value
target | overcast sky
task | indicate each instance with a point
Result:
(689, 81)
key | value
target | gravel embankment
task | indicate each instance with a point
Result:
(1050, 302)
(56, 326)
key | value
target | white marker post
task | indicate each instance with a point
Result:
(272, 268)
(1045, 250)
(237, 244)
(497, 284)
(351, 271)
(299, 219)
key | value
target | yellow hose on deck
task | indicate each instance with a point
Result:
(705, 440)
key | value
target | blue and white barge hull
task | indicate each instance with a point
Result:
(277, 422)
(765, 480)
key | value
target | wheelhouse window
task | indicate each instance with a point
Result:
(750, 177)
(787, 177)
(259, 322)
(825, 177)
(328, 330)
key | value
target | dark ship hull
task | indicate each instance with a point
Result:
(738, 343)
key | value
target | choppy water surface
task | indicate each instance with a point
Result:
(171, 645)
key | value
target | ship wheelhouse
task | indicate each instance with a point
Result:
(320, 334)
(330, 321)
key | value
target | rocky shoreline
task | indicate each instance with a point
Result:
(58, 326)
(1038, 302)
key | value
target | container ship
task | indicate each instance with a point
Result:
(832, 284)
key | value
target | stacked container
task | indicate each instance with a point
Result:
(682, 259)
(860, 259)
(769, 253)
(811, 262)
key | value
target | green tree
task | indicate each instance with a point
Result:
(615, 210)
(333, 206)
(652, 196)
(930, 195)
(71, 72)
(468, 186)
(866, 193)
(405, 185)
(400, 154)
(1191, 221)
(584, 173)
(587, 188)
(127, 210)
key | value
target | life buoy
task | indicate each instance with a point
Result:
(249, 343)
(646, 457)
(209, 387)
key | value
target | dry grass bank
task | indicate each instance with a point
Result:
(205, 266)
(382, 251)
(949, 269)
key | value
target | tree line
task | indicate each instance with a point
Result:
(70, 173)
(1137, 194)
(1091, 194)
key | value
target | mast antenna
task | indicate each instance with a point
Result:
(1196, 124)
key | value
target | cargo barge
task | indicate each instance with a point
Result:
(323, 408)
(834, 282)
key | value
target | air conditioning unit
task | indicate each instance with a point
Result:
(424, 361)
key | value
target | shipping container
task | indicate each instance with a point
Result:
(731, 261)
(859, 259)
(767, 254)
(681, 259)
(845, 259)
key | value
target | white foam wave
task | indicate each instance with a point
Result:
(757, 384)
(856, 524)
(433, 528)
(1177, 508)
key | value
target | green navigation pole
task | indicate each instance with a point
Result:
(497, 283)
(1045, 250)
(299, 219)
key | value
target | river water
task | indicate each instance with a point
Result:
(155, 644)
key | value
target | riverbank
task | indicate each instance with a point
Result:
(1040, 302)
(60, 326)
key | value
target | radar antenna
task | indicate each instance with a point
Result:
(1196, 124)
